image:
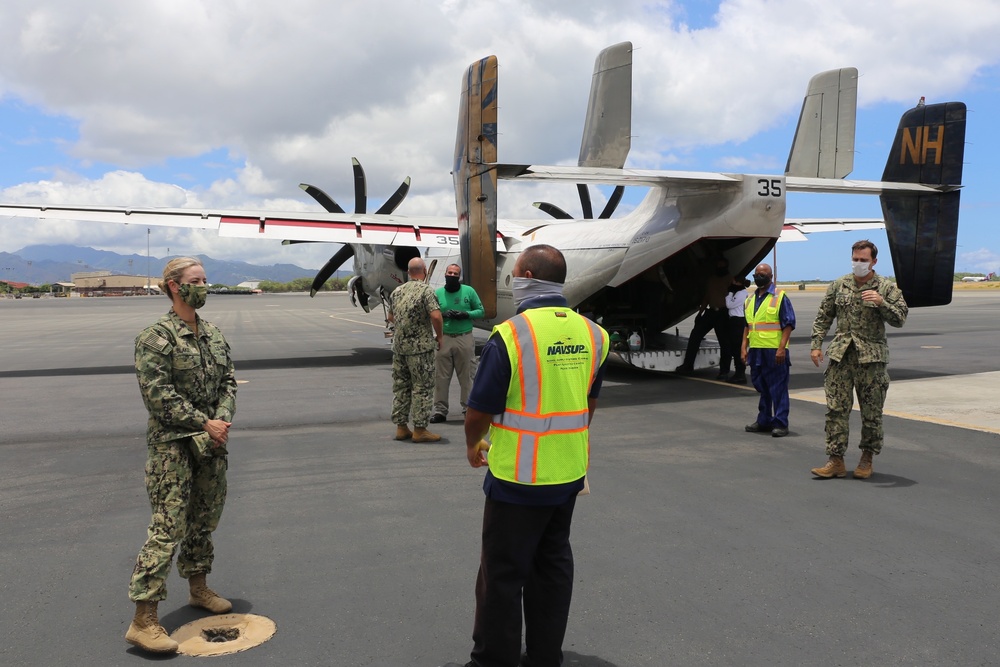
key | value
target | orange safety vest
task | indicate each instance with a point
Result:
(542, 437)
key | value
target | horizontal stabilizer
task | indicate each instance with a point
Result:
(608, 176)
(796, 229)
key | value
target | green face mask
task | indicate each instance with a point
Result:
(193, 295)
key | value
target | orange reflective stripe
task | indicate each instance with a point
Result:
(598, 350)
(528, 368)
(556, 422)
(527, 458)
(534, 392)
(517, 350)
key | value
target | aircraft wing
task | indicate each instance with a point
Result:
(277, 225)
(796, 229)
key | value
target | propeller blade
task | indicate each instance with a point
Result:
(613, 202)
(396, 199)
(325, 200)
(588, 208)
(552, 210)
(328, 269)
(360, 188)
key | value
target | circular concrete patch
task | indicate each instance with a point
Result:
(224, 634)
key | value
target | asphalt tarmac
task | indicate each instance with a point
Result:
(700, 544)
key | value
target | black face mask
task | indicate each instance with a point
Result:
(452, 283)
(721, 271)
(761, 281)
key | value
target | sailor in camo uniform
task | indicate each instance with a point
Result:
(416, 314)
(187, 382)
(862, 303)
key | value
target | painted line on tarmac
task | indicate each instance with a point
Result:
(347, 319)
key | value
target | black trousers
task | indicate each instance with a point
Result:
(735, 328)
(709, 320)
(526, 560)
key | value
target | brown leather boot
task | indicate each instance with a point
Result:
(864, 469)
(146, 632)
(403, 432)
(421, 434)
(833, 468)
(204, 597)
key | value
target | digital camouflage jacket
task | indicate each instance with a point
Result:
(411, 304)
(184, 379)
(857, 323)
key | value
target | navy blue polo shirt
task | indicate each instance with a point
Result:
(489, 395)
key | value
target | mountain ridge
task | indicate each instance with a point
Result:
(46, 264)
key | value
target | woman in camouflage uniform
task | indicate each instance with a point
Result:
(188, 385)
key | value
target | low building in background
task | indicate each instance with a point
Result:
(104, 283)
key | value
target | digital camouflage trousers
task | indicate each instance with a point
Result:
(412, 388)
(187, 494)
(842, 379)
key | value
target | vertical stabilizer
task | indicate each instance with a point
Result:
(923, 228)
(824, 138)
(607, 131)
(476, 180)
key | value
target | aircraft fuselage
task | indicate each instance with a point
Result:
(645, 271)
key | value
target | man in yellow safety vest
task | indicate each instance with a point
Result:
(535, 394)
(770, 320)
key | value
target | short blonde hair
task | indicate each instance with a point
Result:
(174, 270)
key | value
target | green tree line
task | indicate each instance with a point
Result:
(303, 285)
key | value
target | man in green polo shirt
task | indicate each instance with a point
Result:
(459, 306)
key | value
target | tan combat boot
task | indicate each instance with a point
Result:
(204, 597)
(421, 434)
(403, 432)
(864, 469)
(833, 468)
(146, 631)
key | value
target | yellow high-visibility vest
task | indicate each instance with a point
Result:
(542, 437)
(765, 325)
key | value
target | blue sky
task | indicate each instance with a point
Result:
(220, 104)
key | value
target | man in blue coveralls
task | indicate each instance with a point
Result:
(770, 320)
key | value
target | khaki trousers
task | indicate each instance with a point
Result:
(457, 355)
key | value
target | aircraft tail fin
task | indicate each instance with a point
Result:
(922, 228)
(607, 130)
(824, 138)
(476, 180)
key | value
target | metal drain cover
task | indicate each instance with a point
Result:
(224, 634)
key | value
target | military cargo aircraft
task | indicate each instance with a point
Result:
(643, 272)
